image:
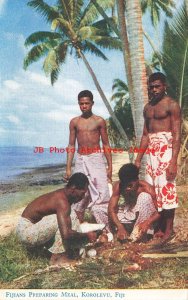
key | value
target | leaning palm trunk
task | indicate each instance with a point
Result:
(105, 100)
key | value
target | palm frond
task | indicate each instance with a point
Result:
(107, 42)
(91, 48)
(50, 62)
(54, 75)
(117, 96)
(63, 25)
(48, 12)
(86, 32)
(104, 25)
(175, 59)
(119, 85)
(41, 36)
(155, 7)
(35, 54)
(91, 13)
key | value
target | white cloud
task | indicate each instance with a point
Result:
(13, 119)
(30, 103)
(2, 6)
(38, 78)
(11, 84)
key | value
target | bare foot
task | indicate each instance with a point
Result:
(62, 260)
(168, 235)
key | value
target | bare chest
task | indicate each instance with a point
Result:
(87, 125)
(156, 112)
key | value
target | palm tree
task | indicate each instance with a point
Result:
(138, 69)
(175, 59)
(137, 103)
(76, 31)
(120, 92)
(175, 65)
(123, 112)
(123, 106)
(155, 7)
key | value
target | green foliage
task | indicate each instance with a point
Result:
(155, 7)
(75, 28)
(122, 111)
(175, 56)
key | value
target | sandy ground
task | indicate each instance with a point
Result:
(8, 220)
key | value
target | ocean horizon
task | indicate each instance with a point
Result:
(15, 160)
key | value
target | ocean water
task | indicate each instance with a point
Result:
(16, 160)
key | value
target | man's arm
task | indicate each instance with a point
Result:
(106, 146)
(70, 148)
(143, 146)
(148, 188)
(144, 226)
(112, 213)
(176, 139)
(64, 223)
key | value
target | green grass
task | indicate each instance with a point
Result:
(15, 261)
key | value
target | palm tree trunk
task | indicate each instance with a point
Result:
(126, 53)
(138, 69)
(186, 6)
(105, 100)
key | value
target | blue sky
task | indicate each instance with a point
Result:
(33, 113)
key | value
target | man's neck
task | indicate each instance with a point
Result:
(87, 115)
(155, 101)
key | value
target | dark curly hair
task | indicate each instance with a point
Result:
(85, 93)
(79, 180)
(127, 173)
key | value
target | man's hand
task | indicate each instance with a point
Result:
(67, 175)
(171, 171)
(122, 233)
(92, 236)
(137, 163)
(144, 226)
(109, 174)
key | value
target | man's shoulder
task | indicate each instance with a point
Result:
(98, 118)
(145, 186)
(171, 101)
(75, 119)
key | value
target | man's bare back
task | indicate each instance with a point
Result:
(46, 205)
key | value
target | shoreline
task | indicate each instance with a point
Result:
(27, 186)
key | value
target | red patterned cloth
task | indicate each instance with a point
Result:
(158, 159)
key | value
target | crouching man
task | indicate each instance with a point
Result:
(134, 217)
(50, 217)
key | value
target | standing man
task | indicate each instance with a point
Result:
(161, 135)
(87, 130)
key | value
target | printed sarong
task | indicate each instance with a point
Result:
(38, 234)
(141, 212)
(158, 160)
(93, 166)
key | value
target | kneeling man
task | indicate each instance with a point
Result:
(50, 217)
(137, 213)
